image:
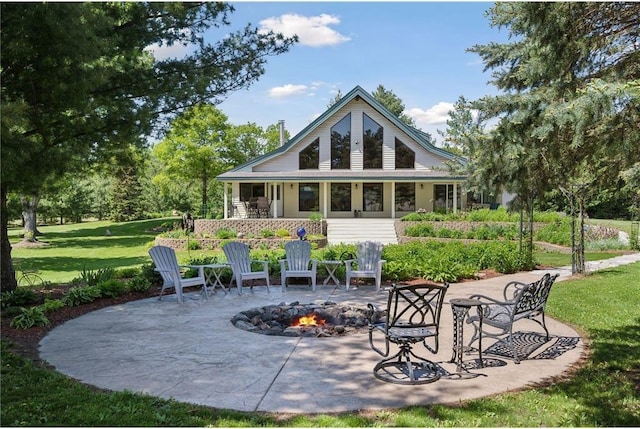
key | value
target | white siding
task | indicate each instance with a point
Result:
(288, 161)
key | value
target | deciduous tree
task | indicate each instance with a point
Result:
(78, 80)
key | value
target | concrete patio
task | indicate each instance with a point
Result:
(192, 353)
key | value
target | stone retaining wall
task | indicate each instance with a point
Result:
(255, 226)
(216, 243)
(244, 227)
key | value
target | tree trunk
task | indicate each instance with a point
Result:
(204, 196)
(29, 210)
(8, 274)
(580, 262)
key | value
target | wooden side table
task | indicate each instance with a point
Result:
(460, 308)
(331, 267)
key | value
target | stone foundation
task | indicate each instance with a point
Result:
(205, 233)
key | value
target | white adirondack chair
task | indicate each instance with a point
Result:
(167, 265)
(238, 257)
(368, 261)
(298, 263)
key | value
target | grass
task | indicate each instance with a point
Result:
(73, 247)
(604, 392)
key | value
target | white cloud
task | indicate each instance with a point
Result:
(311, 31)
(287, 90)
(435, 115)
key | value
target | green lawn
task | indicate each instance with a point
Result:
(74, 247)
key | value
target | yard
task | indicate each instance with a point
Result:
(603, 391)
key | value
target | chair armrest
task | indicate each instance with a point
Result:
(314, 264)
(283, 262)
(512, 285)
(371, 310)
(487, 300)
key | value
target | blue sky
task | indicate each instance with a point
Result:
(415, 49)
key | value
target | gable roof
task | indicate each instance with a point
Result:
(419, 136)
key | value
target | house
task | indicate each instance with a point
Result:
(356, 159)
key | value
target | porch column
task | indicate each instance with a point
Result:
(274, 202)
(325, 199)
(226, 206)
(455, 197)
(393, 200)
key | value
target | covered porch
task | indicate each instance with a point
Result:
(335, 198)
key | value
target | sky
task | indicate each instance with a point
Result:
(417, 50)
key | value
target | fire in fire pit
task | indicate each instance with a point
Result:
(328, 319)
(309, 320)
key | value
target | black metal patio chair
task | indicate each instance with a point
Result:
(412, 317)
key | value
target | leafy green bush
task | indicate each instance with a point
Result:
(138, 284)
(20, 296)
(112, 288)
(148, 271)
(315, 216)
(29, 317)
(267, 233)
(420, 230)
(558, 232)
(51, 305)
(81, 295)
(193, 245)
(92, 278)
(127, 273)
(283, 233)
(226, 233)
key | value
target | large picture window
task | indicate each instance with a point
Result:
(309, 157)
(372, 197)
(341, 144)
(309, 197)
(405, 197)
(341, 197)
(371, 142)
(405, 157)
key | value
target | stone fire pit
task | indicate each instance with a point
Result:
(327, 319)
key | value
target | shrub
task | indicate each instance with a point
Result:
(283, 233)
(138, 284)
(112, 288)
(315, 216)
(193, 245)
(127, 273)
(420, 230)
(29, 317)
(267, 233)
(226, 233)
(148, 272)
(18, 297)
(92, 278)
(51, 305)
(81, 295)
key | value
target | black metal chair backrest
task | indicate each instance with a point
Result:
(413, 313)
(533, 296)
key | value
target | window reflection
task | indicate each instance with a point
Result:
(309, 197)
(371, 142)
(405, 157)
(405, 197)
(341, 144)
(341, 197)
(309, 157)
(372, 197)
